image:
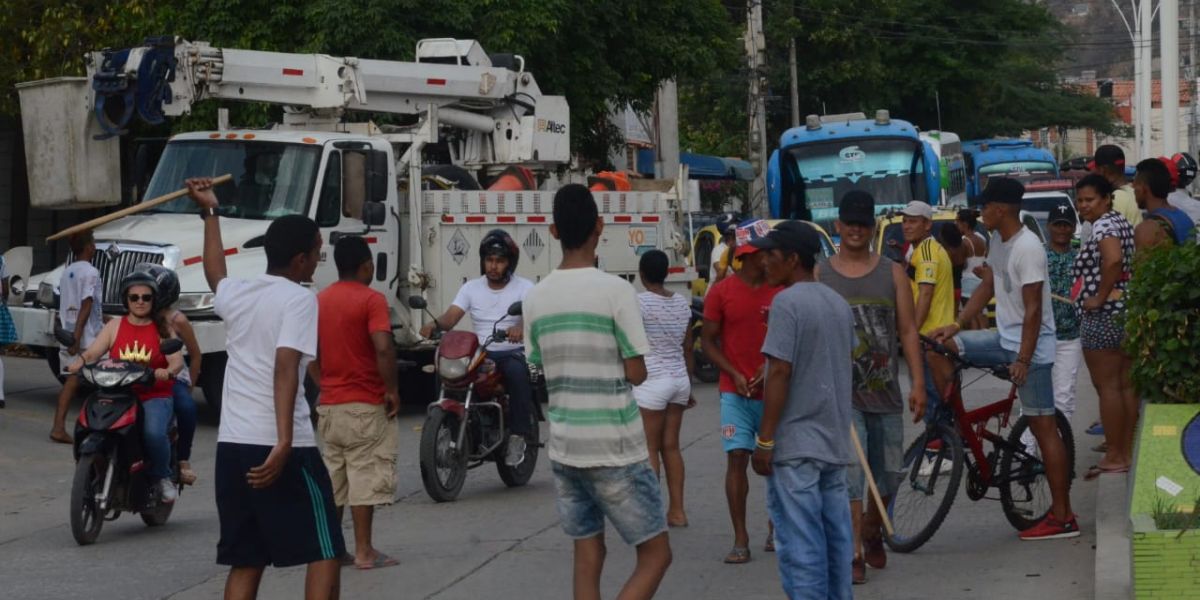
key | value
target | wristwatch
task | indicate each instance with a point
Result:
(205, 213)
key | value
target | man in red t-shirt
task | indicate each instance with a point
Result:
(735, 326)
(356, 370)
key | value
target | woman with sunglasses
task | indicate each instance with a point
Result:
(136, 338)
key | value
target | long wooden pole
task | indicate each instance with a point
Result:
(125, 212)
(862, 459)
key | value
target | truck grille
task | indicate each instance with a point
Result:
(112, 270)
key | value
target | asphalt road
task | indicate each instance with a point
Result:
(493, 542)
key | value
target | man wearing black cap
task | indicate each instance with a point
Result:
(1109, 162)
(802, 446)
(1016, 274)
(882, 303)
(1068, 348)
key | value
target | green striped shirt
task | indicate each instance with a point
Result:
(580, 325)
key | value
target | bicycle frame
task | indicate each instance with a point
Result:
(972, 425)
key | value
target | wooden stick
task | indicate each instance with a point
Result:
(125, 212)
(1062, 299)
(862, 459)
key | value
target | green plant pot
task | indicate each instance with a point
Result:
(1166, 562)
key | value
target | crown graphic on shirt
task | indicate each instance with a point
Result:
(136, 352)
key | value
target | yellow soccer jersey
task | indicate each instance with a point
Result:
(929, 264)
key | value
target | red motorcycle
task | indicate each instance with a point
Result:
(467, 427)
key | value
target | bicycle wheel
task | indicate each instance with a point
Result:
(928, 478)
(1025, 497)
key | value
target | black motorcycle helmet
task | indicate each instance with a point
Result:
(168, 284)
(726, 223)
(139, 277)
(1187, 168)
(497, 242)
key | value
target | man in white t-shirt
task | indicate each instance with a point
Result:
(487, 300)
(1017, 274)
(80, 298)
(274, 496)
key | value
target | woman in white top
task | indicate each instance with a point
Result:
(976, 245)
(667, 391)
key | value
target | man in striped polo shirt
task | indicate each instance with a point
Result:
(584, 328)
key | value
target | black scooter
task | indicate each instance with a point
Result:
(109, 458)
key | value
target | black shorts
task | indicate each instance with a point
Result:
(292, 522)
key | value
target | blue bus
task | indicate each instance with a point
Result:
(817, 164)
(1009, 158)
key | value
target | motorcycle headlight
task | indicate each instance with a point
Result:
(453, 368)
(104, 379)
(196, 302)
(45, 294)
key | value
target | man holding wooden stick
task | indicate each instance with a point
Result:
(879, 295)
(803, 446)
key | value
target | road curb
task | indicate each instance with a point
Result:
(1114, 553)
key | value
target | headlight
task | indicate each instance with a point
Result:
(45, 294)
(104, 379)
(195, 302)
(453, 368)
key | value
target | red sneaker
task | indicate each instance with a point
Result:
(1051, 528)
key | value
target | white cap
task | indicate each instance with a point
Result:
(916, 208)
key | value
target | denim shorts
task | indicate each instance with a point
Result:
(629, 496)
(882, 437)
(983, 348)
(740, 418)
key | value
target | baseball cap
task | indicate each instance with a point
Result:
(1004, 190)
(1062, 212)
(857, 208)
(916, 208)
(793, 236)
(1106, 155)
(748, 231)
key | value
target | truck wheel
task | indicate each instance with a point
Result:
(212, 379)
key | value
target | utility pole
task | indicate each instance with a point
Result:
(1190, 75)
(1168, 24)
(1145, 46)
(795, 82)
(666, 130)
(756, 47)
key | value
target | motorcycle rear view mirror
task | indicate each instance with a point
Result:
(514, 309)
(64, 337)
(171, 346)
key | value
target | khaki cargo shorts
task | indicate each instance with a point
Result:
(360, 445)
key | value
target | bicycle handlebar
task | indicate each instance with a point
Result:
(961, 363)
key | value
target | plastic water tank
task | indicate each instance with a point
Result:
(67, 168)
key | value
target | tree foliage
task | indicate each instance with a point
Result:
(592, 51)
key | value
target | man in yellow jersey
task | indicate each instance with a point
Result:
(930, 272)
(1109, 162)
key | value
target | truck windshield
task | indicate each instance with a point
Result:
(889, 169)
(270, 179)
(1024, 171)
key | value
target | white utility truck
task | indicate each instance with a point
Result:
(456, 116)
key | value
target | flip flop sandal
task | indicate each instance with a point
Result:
(737, 556)
(381, 560)
(1096, 471)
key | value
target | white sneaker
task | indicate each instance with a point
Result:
(167, 491)
(516, 451)
(927, 465)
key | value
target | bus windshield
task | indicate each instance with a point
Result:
(1024, 171)
(270, 179)
(890, 169)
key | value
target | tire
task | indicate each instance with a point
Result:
(157, 517)
(1026, 498)
(519, 475)
(443, 469)
(212, 379)
(917, 508)
(86, 520)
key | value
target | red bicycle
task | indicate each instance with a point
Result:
(933, 465)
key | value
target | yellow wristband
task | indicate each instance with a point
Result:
(764, 444)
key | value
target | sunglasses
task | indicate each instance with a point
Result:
(141, 298)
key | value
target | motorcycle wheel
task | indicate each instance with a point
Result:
(86, 518)
(443, 468)
(519, 475)
(157, 516)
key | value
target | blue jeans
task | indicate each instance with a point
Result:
(983, 348)
(157, 415)
(512, 365)
(185, 417)
(629, 496)
(810, 508)
(933, 396)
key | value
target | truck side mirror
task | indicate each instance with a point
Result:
(374, 213)
(377, 176)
